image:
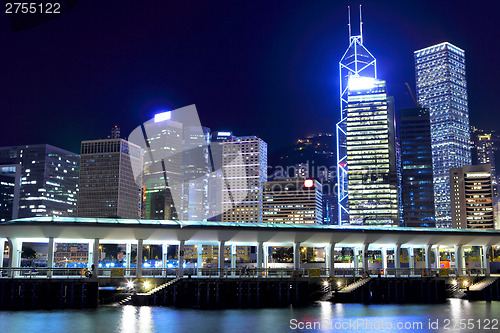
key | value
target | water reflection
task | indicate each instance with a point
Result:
(136, 319)
(366, 318)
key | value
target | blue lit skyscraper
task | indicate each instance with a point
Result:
(366, 156)
(357, 61)
(372, 182)
(442, 87)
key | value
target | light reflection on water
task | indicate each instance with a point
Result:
(130, 319)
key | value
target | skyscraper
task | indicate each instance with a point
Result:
(107, 187)
(292, 200)
(372, 183)
(472, 197)
(366, 159)
(162, 168)
(356, 61)
(442, 87)
(485, 147)
(10, 186)
(244, 169)
(49, 179)
(215, 182)
(195, 174)
(416, 160)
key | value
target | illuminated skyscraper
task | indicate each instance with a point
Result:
(49, 179)
(366, 159)
(372, 183)
(10, 185)
(107, 187)
(162, 168)
(244, 169)
(485, 147)
(442, 88)
(472, 197)
(292, 200)
(195, 174)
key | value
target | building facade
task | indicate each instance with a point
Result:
(195, 174)
(485, 147)
(215, 183)
(10, 190)
(244, 169)
(416, 164)
(442, 88)
(371, 156)
(292, 200)
(472, 197)
(162, 174)
(49, 179)
(107, 186)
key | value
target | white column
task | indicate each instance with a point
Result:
(50, 256)
(260, 252)
(180, 257)
(128, 255)
(222, 247)
(330, 259)
(397, 259)
(428, 261)
(234, 254)
(90, 260)
(266, 256)
(15, 250)
(164, 259)
(459, 259)
(384, 260)
(2, 247)
(411, 259)
(356, 258)
(199, 258)
(365, 256)
(95, 259)
(138, 271)
(485, 262)
(437, 257)
(296, 255)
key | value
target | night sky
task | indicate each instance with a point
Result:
(266, 68)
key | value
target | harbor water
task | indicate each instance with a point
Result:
(453, 316)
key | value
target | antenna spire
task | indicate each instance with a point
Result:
(349, 21)
(360, 24)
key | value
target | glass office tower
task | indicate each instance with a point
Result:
(49, 179)
(442, 87)
(357, 61)
(416, 160)
(366, 149)
(107, 186)
(371, 158)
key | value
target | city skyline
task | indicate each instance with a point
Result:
(122, 81)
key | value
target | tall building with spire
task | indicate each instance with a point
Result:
(367, 177)
(442, 88)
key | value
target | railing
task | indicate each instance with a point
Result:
(44, 272)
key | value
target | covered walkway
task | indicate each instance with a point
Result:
(389, 241)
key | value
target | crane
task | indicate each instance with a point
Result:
(412, 96)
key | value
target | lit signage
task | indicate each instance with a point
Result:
(357, 82)
(308, 183)
(163, 116)
(224, 133)
(477, 175)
